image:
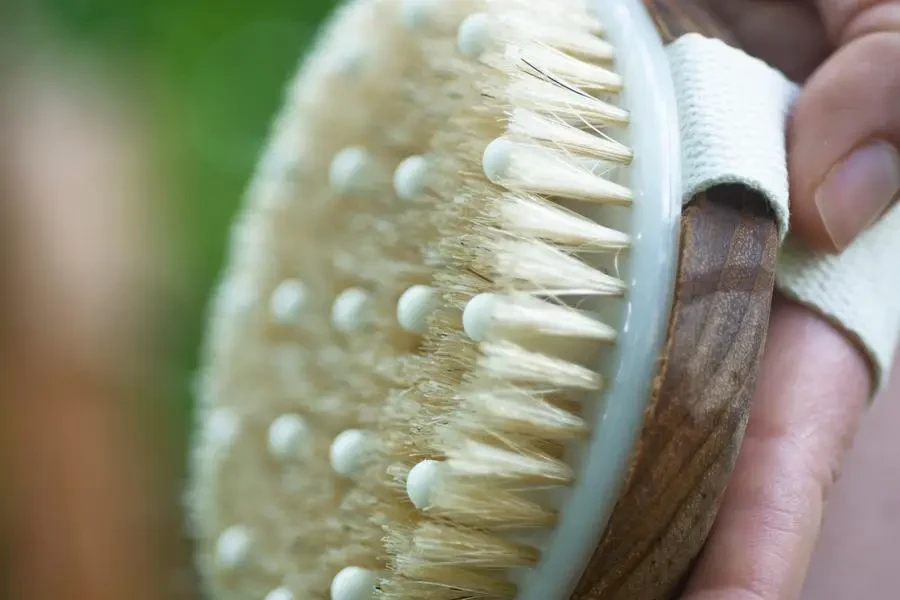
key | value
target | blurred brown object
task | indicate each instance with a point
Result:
(80, 262)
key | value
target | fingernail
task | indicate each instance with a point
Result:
(857, 191)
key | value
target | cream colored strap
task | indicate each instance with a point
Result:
(733, 110)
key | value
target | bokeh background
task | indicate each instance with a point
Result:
(208, 77)
(187, 89)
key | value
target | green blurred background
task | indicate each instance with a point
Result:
(206, 77)
(214, 71)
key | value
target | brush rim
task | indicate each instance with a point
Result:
(617, 415)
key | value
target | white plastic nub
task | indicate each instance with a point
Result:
(222, 427)
(280, 594)
(350, 170)
(233, 547)
(351, 62)
(415, 306)
(421, 481)
(477, 316)
(288, 437)
(238, 295)
(474, 35)
(350, 310)
(288, 300)
(497, 158)
(353, 583)
(410, 178)
(419, 14)
(349, 451)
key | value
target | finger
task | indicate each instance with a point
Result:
(812, 389)
(845, 129)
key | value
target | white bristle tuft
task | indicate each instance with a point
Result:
(519, 411)
(504, 466)
(477, 316)
(415, 306)
(288, 437)
(547, 97)
(280, 594)
(354, 583)
(421, 482)
(350, 452)
(534, 217)
(530, 125)
(540, 267)
(233, 547)
(441, 543)
(525, 313)
(288, 301)
(478, 426)
(563, 34)
(350, 311)
(352, 171)
(420, 580)
(505, 361)
(554, 65)
(411, 177)
(474, 36)
(474, 502)
(540, 170)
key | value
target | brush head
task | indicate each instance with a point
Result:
(432, 349)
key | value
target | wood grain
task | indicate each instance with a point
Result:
(697, 416)
(674, 18)
(699, 410)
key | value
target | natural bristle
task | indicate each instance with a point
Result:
(421, 291)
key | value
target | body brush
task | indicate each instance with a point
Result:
(492, 314)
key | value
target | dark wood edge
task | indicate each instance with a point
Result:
(674, 18)
(701, 402)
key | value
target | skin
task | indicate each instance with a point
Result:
(77, 262)
(815, 384)
(845, 53)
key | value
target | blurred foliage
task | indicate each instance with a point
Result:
(213, 72)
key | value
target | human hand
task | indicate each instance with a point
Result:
(845, 128)
(814, 382)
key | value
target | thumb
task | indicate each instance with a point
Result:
(845, 130)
